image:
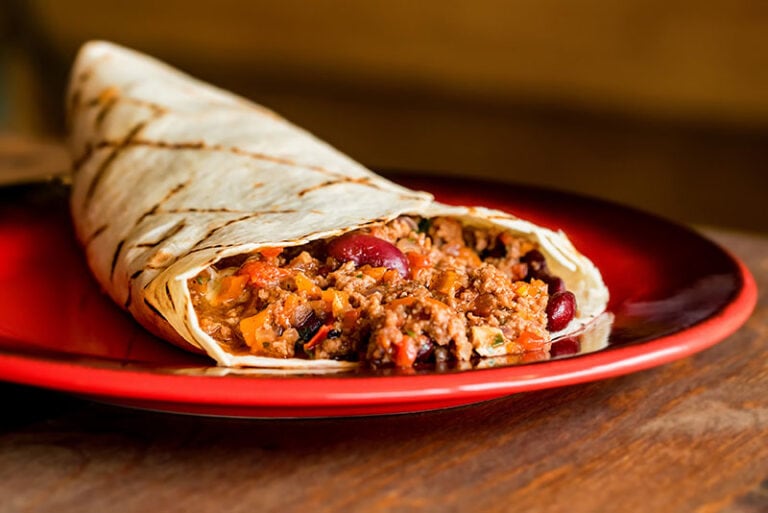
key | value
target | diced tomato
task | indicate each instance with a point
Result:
(406, 352)
(349, 320)
(270, 253)
(263, 274)
(530, 341)
(417, 261)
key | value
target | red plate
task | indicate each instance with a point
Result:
(673, 293)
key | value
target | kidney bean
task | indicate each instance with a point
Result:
(555, 284)
(561, 309)
(536, 262)
(366, 249)
(565, 347)
(537, 269)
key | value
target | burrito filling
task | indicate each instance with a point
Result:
(412, 291)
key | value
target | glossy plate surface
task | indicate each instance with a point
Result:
(673, 293)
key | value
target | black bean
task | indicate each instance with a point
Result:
(309, 327)
(564, 347)
(426, 350)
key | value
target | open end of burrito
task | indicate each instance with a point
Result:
(413, 290)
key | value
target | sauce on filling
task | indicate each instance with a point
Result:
(410, 291)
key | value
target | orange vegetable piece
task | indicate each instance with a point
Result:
(263, 274)
(406, 352)
(403, 301)
(270, 253)
(530, 341)
(230, 289)
(470, 255)
(349, 319)
(417, 261)
(448, 282)
(439, 305)
(304, 284)
(374, 272)
(337, 300)
(252, 328)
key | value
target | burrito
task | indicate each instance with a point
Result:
(226, 230)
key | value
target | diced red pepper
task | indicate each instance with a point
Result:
(321, 335)
(263, 274)
(417, 261)
(406, 352)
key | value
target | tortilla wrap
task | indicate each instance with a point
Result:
(170, 175)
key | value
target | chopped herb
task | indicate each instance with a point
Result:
(360, 275)
(265, 345)
(497, 340)
(199, 280)
(410, 333)
(424, 225)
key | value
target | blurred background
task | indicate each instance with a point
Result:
(654, 103)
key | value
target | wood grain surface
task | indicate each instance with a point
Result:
(685, 437)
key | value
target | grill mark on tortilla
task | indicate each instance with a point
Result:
(220, 210)
(154, 310)
(156, 108)
(87, 73)
(106, 108)
(221, 227)
(168, 295)
(97, 178)
(173, 230)
(202, 146)
(118, 250)
(365, 180)
(214, 246)
(196, 247)
(95, 234)
(135, 275)
(82, 159)
(153, 210)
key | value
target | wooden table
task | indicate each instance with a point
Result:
(691, 436)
